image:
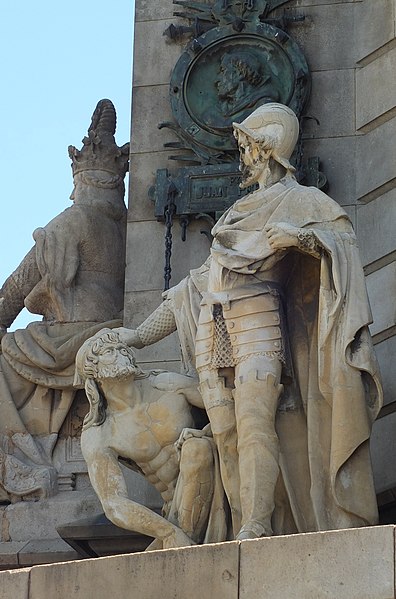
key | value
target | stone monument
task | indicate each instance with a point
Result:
(287, 371)
(145, 418)
(74, 277)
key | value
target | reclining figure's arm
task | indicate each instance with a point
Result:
(109, 484)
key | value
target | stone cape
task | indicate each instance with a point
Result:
(43, 354)
(185, 299)
(326, 412)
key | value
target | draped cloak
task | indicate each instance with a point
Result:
(327, 409)
(74, 277)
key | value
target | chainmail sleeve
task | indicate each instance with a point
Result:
(158, 325)
(17, 287)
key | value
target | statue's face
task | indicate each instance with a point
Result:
(115, 361)
(252, 161)
(228, 81)
(72, 195)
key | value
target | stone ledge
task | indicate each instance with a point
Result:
(19, 554)
(346, 564)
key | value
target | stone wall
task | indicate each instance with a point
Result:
(344, 564)
(375, 167)
(154, 59)
(351, 50)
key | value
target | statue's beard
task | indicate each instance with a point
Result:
(252, 173)
(114, 371)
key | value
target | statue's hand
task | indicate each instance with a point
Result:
(177, 539)
(129, 337)
(282, 235)
(189, 433)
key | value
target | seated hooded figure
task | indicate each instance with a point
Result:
(146, 419)
(74, 277)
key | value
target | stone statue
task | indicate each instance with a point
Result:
(287, 370)
(145, 417)
(74, 277)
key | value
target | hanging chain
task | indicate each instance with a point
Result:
(170, 210)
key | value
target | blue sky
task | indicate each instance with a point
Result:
(58, 60)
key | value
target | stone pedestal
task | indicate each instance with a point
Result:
(345, 564)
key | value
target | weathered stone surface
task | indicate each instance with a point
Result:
(46, 552)
(14, 584)
(9, 553)
(319, 2)
(373, 98)
(146, 10)
(152, 48)
(141, 304)
(332, 90)
(374, 166)
(169, 347)
(347, 564)
(336, 154)
(351, 212)
(382, 284)
(327, 26)
(374, 26)
(344, 564)
(383, 453)
(150, 107)
(38, 520)
(148, 239)
(173, 574)
(386, 352)
(376, 227)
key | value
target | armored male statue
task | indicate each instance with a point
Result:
(74, 277)
(146, 417)
(286, 365)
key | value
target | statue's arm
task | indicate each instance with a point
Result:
(283, 235)
(157, 326)
(109, 484)
(17, 287)
(308, 243)
(179, 383)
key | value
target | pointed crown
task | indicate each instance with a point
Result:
(100, 151)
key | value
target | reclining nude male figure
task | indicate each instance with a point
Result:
(146, 418)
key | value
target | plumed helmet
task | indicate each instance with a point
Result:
(275, 124)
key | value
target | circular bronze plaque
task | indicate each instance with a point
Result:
(222, 77)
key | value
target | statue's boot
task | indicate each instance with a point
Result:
(256, 402)
(219, 404)
(194, 489)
